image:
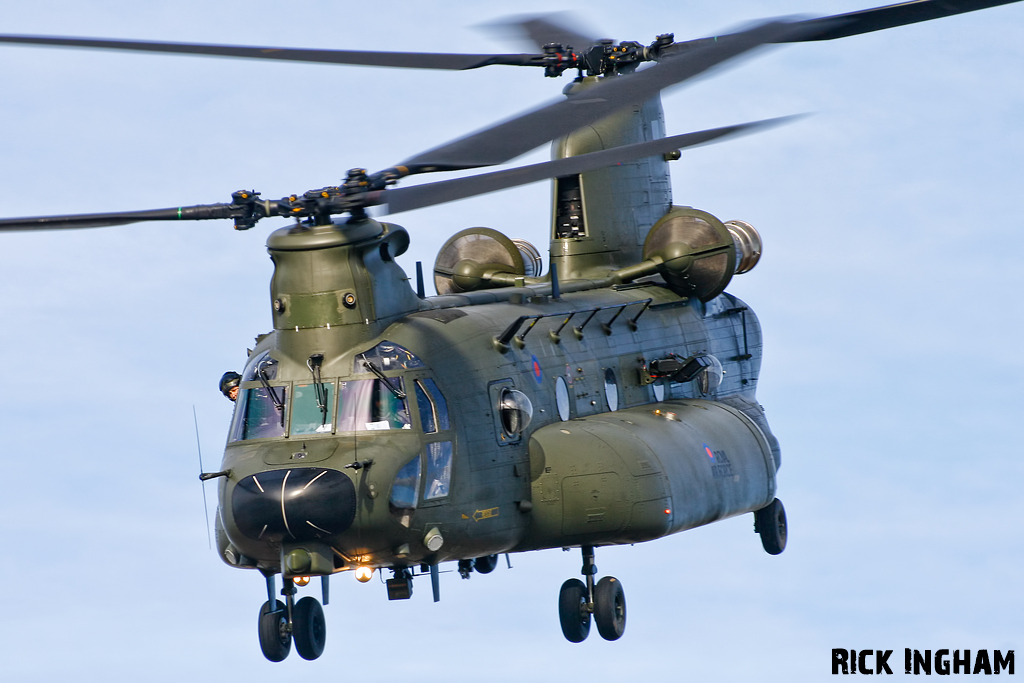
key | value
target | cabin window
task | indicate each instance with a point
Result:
(313, 408)
(259, 413)
(433, 408)
(516, 411)
(405, 488)
(372, 404)
(562, 398)
(611, 389)
(439, 469)
(711, 377)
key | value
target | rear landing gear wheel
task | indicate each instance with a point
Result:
(572, 611)
(309, 628)
(275, 640)
(770, 523)
(610, 608)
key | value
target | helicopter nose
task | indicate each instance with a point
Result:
(302, 503)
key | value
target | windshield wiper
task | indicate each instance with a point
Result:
(260, 370)
(368, 364)
(313, 363)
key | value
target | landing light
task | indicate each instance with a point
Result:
(364, 574)
(300, 580)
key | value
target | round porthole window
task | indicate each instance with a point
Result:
(710, 377)
(562, 398)
(516, 411)
(611, 389)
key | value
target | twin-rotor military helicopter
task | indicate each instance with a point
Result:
(608, 401)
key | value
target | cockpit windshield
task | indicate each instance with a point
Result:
(265, 404)
(369, 404)
(312, 408)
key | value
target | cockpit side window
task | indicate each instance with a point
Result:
(370, 404)
(427, 418)
(439, 469)
(259, 413)
(433, 408)
(406, 486)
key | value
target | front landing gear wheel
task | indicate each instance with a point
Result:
(572, 611)
(275, 640)
(309, 628)
(610, 608)
(770, 523)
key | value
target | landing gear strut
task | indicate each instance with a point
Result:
(282, 622)
(578, 602)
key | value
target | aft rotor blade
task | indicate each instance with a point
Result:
(406, 60)
(506, 141)
(865, 21)
(430, 194)
(102, 220)
(891, 16)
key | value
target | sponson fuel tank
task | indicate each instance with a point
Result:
(645, 472)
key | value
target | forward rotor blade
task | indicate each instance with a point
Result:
(544, 29)
(407, 60)
(506, 141)
(102, 220)
(430, 194)
(864, 21)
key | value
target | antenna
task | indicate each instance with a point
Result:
(206, 510)
(420, 291)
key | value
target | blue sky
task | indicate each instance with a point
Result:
(888, 293)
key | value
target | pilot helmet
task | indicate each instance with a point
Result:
(228, 381)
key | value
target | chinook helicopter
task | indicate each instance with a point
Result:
(616, 393)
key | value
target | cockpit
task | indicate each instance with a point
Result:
(268, 408)
(388, 388)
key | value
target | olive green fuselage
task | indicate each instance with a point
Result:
(599, 477)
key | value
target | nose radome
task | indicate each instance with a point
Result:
(302, 503)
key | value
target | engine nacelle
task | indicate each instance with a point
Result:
(696, 253)
(482, 258)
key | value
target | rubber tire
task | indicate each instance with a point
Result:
(770, 522)
(610, 608)
(485, 564)
(275, 641)
(572, 613)
(309, 629)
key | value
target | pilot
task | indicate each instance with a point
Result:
(389, 408)
(229, 382)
